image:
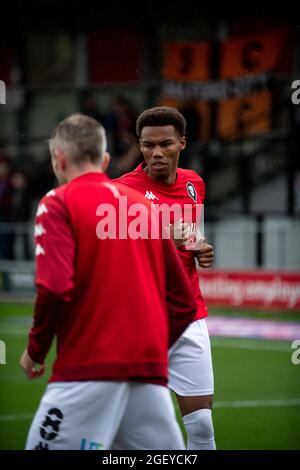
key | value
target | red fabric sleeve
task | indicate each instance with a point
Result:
(55, 247)
(47, 312)
(201, 184)
(181, 302)
(55, 253)
(202, 190)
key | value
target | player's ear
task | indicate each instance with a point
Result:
(60, 159)
(105, 161)
(182, 142)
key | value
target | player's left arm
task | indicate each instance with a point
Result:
(29, 366)
(205, 255)
(55, 252)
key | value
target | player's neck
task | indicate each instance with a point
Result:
(74, 171)
(170, 179)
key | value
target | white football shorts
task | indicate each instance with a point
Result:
(100, 415)
(190, 362)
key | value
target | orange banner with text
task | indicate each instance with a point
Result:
(187, 61)
(245, 116)
(201, 108)
(256, 54)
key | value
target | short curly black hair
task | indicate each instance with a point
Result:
(161, 116)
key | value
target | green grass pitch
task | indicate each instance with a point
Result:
(257, 388)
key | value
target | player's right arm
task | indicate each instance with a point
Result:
(55, 252)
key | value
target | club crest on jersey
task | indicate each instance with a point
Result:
(149, 195)
(191, 191)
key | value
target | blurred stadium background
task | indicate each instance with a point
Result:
(231, 75)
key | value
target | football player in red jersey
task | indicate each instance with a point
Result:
(114, 305)
(161, 131)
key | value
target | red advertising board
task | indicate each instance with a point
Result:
(266, 290)
(6, 64)
(114, 56)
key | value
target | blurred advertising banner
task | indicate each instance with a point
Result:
(187, 61)
(251, 289)
(119, 50)
(241, 84)
(197, 113)
(245, 116)
(6, 64)
(256, 53)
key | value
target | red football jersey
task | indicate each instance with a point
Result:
(115, 305)
(188, 189)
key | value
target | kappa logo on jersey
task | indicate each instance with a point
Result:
(149, 195)
(51, 193)
(42, 209)
(39, 250)
(39, 230)
(191, 191)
